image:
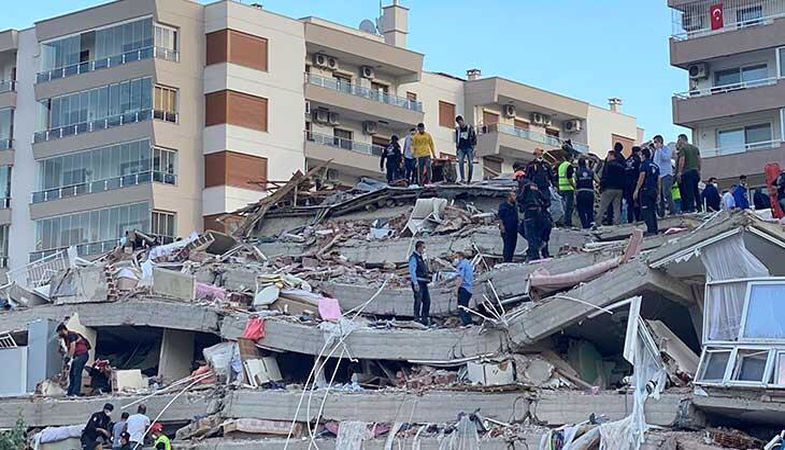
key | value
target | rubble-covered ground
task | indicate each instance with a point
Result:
(294, 329)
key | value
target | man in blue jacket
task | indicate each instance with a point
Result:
(418, 271)
(740, 193)
(711, 196)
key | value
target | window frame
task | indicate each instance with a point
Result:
(448, 122)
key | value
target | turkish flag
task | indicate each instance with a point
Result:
(717, 20)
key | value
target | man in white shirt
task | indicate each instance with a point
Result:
(409, 163)
(728, 202)
(136, 425)
(662, 157)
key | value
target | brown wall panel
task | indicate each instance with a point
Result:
(215, 105)
(217, 47)
(234, 169)
(237, 48)
(236, 108)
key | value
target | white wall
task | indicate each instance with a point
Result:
(430, 89)
(602, 123)
(22, 232)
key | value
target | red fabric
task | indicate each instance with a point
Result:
(772, 171)
(254, 329)
(717, 19)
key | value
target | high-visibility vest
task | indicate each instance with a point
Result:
(564, 183)
(675, 192)
(162, 438)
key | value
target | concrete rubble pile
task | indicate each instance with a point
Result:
(294, 328)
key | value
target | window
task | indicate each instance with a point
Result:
(713, 365)
(750, 365)
(5, 186)
(381, 91)
(522, 125)
(749, 15)
(738, 75)
(411, 96)
(164, 165)
(342, 138)
(446, 114)
(758, 136)
(764, 317)
(740, 139)
(344, 82)
(6, 128)
(166, 41)
(165, 103)
(4, 245)
(781, 61)
(162, 225)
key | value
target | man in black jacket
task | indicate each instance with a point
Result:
(633, 168)
(420, 276)
(612, 183)
(508, 215)
(584, 184)
(96, 432)
(541, 174)
(532, 203)
(392, 154)
(465, 140)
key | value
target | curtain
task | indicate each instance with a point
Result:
(724, 260)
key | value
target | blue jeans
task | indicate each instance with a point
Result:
(468, 154)
(410, 170)
(532, 226)
(75, 374)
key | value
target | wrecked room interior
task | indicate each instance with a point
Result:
(294, 329)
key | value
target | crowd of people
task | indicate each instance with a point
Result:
(128, 433)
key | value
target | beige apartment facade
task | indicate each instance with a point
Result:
(735, 97)
(163, 115)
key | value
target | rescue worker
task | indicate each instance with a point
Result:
(532, 203)
(676, 197)
(508, 225)
(464, 283)
(710, 196)
(584, 182)
(567, 186)
(393, 156)
(96, 432)
(77, 352)
(420, 276)
(161, 441)
(647, 190)
(541, 174)
(632, 172)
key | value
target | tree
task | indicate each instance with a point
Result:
(14, 439)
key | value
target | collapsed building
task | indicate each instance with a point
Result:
(294, 329)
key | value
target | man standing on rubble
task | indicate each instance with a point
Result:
(740, 195)
(632, 170)
(117, 431)
(508, 225)
(567, 186)
(711, 196)
(662, 157)
(392, 155)
(77, 350)
(420, 276)
(647, 191)
(540, 173)
(136, 425)
(409, 163)
(688, 168)
(465, 140)
(423, 149)
(96, 432)
(612, 186)
(584, 182)
(532, 202)
(465, 285)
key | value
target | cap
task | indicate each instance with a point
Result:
(125, 435)
(156, 428)
(109, 406)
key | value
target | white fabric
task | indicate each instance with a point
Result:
(55, 434)
(724, 260)
(136, 425)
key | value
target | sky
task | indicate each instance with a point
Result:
(587, 49)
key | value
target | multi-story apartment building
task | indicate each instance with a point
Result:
(163, 115)
(733, 51)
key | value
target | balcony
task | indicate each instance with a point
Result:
(91, 187)
(728, 100)
(358, 157)
(103, 124)
(731, 162)
(360, 102)
(106, 63)
(747, 25)
(7, 86)
(513, 142)
(6, 144)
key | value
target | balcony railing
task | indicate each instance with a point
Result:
(109, 184)
(3, 262)
(346, 144)
(103, 124)
(7, 86)
(5, 202)
(732, 150)
(523, 133)
(694, 93)
(359, 91)
(694, 19)
(92, 248)
(105, 63)
(6, 144)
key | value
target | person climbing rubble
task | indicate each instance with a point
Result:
(77, 354)
(136, 425)
(464, 284)
(420, 276)
(161, 441)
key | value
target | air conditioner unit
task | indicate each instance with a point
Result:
(333, 118)
(320, 60)
(307, 107)
(546, 121)
(370, 127)
(321, 115)
(699, 71)
(537, 119)
(367, 72)
(572, 126)
(508, 110)
(332, 63)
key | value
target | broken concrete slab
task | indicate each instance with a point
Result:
(177, 352)
(529, 440)
(366, 343)
(80, 285)
(172, 284)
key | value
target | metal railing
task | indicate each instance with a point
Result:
(694, 19)
(108, 184)
(732, 150)
(359, 91)
(5, 202)
(105, 63)
(7, 86)
(713, 90)
(3, 262)
(6, 144)
(105, 123)
(85, 249)
(346, 144)
(40, 270)
(534, 136)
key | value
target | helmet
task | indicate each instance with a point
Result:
(156, 428)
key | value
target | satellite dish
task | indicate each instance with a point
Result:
(368, 26)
